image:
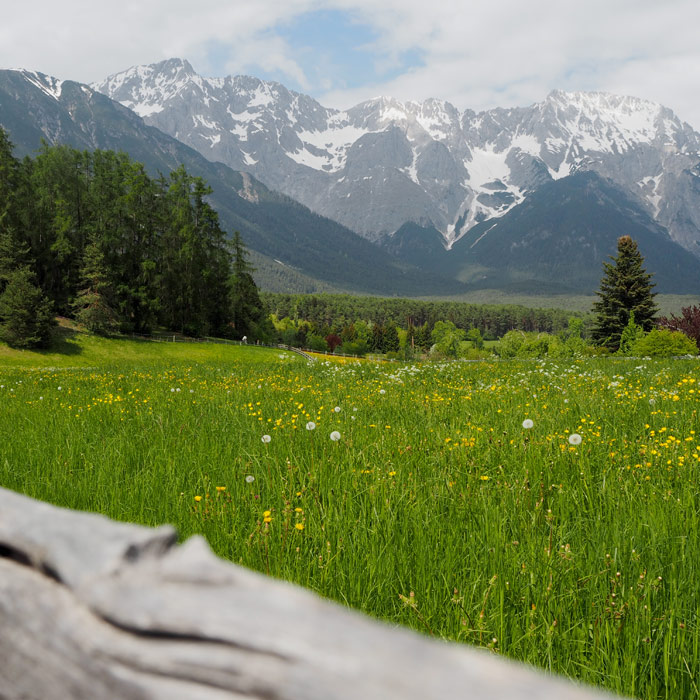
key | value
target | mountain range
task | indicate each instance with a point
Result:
(296, 248)
(383, 162)
(527, 199)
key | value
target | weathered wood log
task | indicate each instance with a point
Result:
(91, 608)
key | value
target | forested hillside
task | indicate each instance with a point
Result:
(102, 240)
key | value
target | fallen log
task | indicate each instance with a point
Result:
(96, 609)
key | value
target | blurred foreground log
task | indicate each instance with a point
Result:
(91, 608)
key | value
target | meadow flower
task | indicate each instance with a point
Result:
(198, 498)
(311, 425)
(335, 436)
(250, 479)
(299, 526)
(527, 423)
(266, 438)
(575, 439)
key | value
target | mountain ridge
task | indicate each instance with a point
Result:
(282, 230)
(383, 162)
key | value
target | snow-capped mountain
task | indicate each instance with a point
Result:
(383, 162)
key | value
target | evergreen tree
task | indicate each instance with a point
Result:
(625, 288)
(8, 177)
(93, 306)
(26, 315)
(391, 338)
(377, 341)
(248, 313)
(631, 333)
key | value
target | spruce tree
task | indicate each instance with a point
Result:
(625, 288)
(247, 310)
(391, 338)
(26, 316)
(92, 306)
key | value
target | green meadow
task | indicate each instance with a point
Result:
(571, 544)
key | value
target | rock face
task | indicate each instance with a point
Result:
(91, 608)
(383, 163)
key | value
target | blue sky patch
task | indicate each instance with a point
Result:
(335, 50)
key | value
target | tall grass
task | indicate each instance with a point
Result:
(436, 509)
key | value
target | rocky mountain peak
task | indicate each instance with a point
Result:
(384, 162)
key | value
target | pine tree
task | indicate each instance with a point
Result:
(247, 310)
(26, 314)
(391, 338)
(93, 306)
(625, 288)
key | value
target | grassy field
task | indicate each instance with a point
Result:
(435, 507)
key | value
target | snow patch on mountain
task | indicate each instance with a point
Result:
(49, 85)
(384, 162)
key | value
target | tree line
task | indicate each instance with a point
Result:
(91, 235)
(334, 312)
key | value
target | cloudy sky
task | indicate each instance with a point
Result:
(475, 53)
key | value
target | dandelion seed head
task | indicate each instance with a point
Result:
(250, 479)
(266, 438)
(311, 425)
(575, 439)
(527, 423)
(335, 436)
(337, 409)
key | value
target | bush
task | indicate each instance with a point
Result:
(354, 347)
(510, 344)
(316, 343)
(537, 345)
(661, 342)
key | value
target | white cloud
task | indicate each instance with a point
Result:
(476, 54)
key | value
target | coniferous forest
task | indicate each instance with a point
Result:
(91, 235)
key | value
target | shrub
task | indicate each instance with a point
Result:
(316, 343)
(509, 345)
(354, 347)
(688, 322)
(661, 342)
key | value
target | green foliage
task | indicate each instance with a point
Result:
(107, 243)
(625, 288)
(509, 345)
(661, 342)
(358, 348)
(518, 344)
(248, 311)
(630, 335)
(688, 322)
(447, 338)
(26, 316)
(391, 338)
(93, 304)
(316, 343)
(492, 320)
(475, 337)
